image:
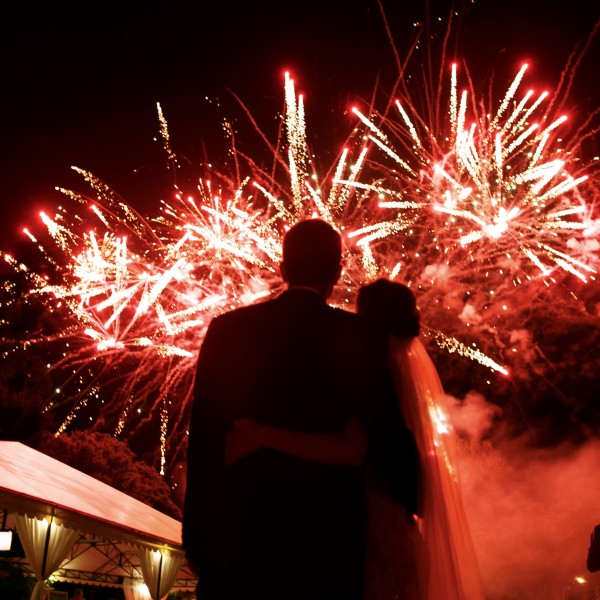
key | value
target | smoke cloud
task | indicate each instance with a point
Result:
(531, 511)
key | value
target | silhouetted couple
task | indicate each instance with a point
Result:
(297, 405)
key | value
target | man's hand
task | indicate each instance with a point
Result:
(246, 437)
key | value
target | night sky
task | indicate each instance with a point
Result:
(80, 83)
(80, 80)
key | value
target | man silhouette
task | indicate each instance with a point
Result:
(272, 526)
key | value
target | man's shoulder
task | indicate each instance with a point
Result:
(247, 311)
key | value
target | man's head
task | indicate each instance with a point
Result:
(312, 253)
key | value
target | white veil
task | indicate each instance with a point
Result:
(453, 573)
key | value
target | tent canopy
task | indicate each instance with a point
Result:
(112, 525)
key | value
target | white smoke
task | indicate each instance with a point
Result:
(531, 511)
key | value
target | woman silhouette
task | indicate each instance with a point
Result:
(451, 570)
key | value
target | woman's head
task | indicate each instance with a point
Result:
(391, 306)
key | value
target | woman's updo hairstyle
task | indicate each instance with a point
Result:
(390, 306)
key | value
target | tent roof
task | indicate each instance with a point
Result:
(34, 484)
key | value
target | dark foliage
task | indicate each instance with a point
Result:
(24, 390)
(14, 584)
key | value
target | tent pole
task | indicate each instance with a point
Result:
(158, 578)
(46, 544)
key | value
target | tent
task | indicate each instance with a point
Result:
(75, 528)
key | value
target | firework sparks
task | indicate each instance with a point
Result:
(137, 294)
(503, 186)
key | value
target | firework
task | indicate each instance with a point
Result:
(496, 187)
(491, 200)
(484, 212)
(137, 295)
